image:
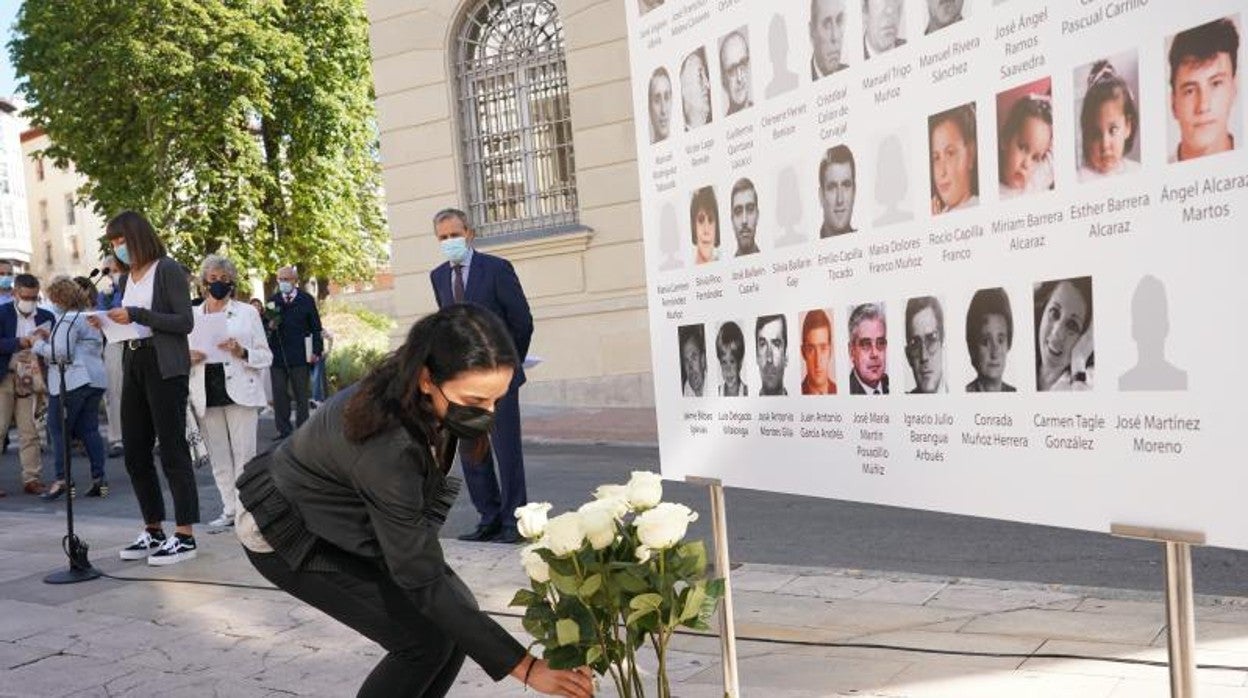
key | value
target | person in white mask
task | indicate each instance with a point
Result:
(109, 297)
(471, 276)
(291, 318)
(21, 381)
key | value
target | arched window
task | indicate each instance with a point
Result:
(514, 120)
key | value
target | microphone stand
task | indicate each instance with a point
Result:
(80, 567)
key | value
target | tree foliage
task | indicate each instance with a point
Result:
(239, 127)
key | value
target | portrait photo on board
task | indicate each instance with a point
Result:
(883, 26)
(783, 78)
(734, 70)
(704, 225)
(1204, 89)
(892, 180)
(1108, 113)
(1150, 330)
(644, 6)
(1025, 139)
(743, 212)
(989, 338)
(818, 352)
(827, 37)
(730, 357)
(695, 89)
(945, 13)
(868, 349)
(771, 344)
(1064, 348)
(953, 144)
(925, 345)
(692, 342)
(659, 104)
(838, 182)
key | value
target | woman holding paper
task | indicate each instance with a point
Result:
(80, 346)
(156, 313)
(229, 353)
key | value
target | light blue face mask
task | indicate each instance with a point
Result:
(455, 250)
(6, 282)
(122, 254)
(285, 287)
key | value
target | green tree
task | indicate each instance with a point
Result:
(243, 127)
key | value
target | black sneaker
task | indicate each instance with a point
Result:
(147, 543)
(175, 550)
(99, 488)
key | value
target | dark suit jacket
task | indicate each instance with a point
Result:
(8, 332)
(856, 387)
(493, 285)
(299, 318)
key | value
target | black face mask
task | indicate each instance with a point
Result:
(220, 289)
(468, 423)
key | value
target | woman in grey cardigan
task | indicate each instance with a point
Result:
(157, 300)
(345, 514)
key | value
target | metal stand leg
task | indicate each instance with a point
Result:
(727, 627)
(1180, 620)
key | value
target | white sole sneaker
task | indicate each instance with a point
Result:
(171, 559)
(142, 547)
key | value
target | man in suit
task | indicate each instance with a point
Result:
(19, 321)
(881, 26)
(472, 276)
(925, 344)
(294, 319)
(827, 32)
(868, 350)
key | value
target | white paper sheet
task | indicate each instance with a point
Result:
(114, 332)
(209, 331)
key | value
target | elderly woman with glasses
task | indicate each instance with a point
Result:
(229, 353)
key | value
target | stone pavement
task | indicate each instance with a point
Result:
(150, 638)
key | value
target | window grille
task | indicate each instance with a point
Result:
(70, 217)
(515, 123)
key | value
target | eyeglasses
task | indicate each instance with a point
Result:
(866, 343)
(929, 343)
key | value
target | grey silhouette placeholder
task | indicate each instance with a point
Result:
(1150, 324)
(789, 209)
(782, 79)
(669, 238)
(891, 182)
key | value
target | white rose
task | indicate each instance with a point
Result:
(643, 554)
(611, 492)
(534, 565)
(531, 519)
(665, 525)
(564, 534)
(645, 489)
(598, 521)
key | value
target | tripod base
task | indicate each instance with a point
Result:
(80, 568)
(73, 575)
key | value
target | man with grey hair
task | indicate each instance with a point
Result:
(472, 276)
(293, 320)
(868, 350)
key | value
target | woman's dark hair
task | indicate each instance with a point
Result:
(1043, 292)
(963, 118)
(458, 338)
(141, 239)
(1105, 85)
(703, 200)
(985, 302)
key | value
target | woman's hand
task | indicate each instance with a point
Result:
(94, 321)
(41, 333)
(231, 345)
(197, 357)
(578, 683)
(121, 316)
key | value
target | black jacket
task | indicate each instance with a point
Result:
(384, 501)
(297, 320)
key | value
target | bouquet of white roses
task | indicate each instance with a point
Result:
(612, 576)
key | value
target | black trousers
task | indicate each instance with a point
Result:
(297, 378)
(154, 407)
(422, 661)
